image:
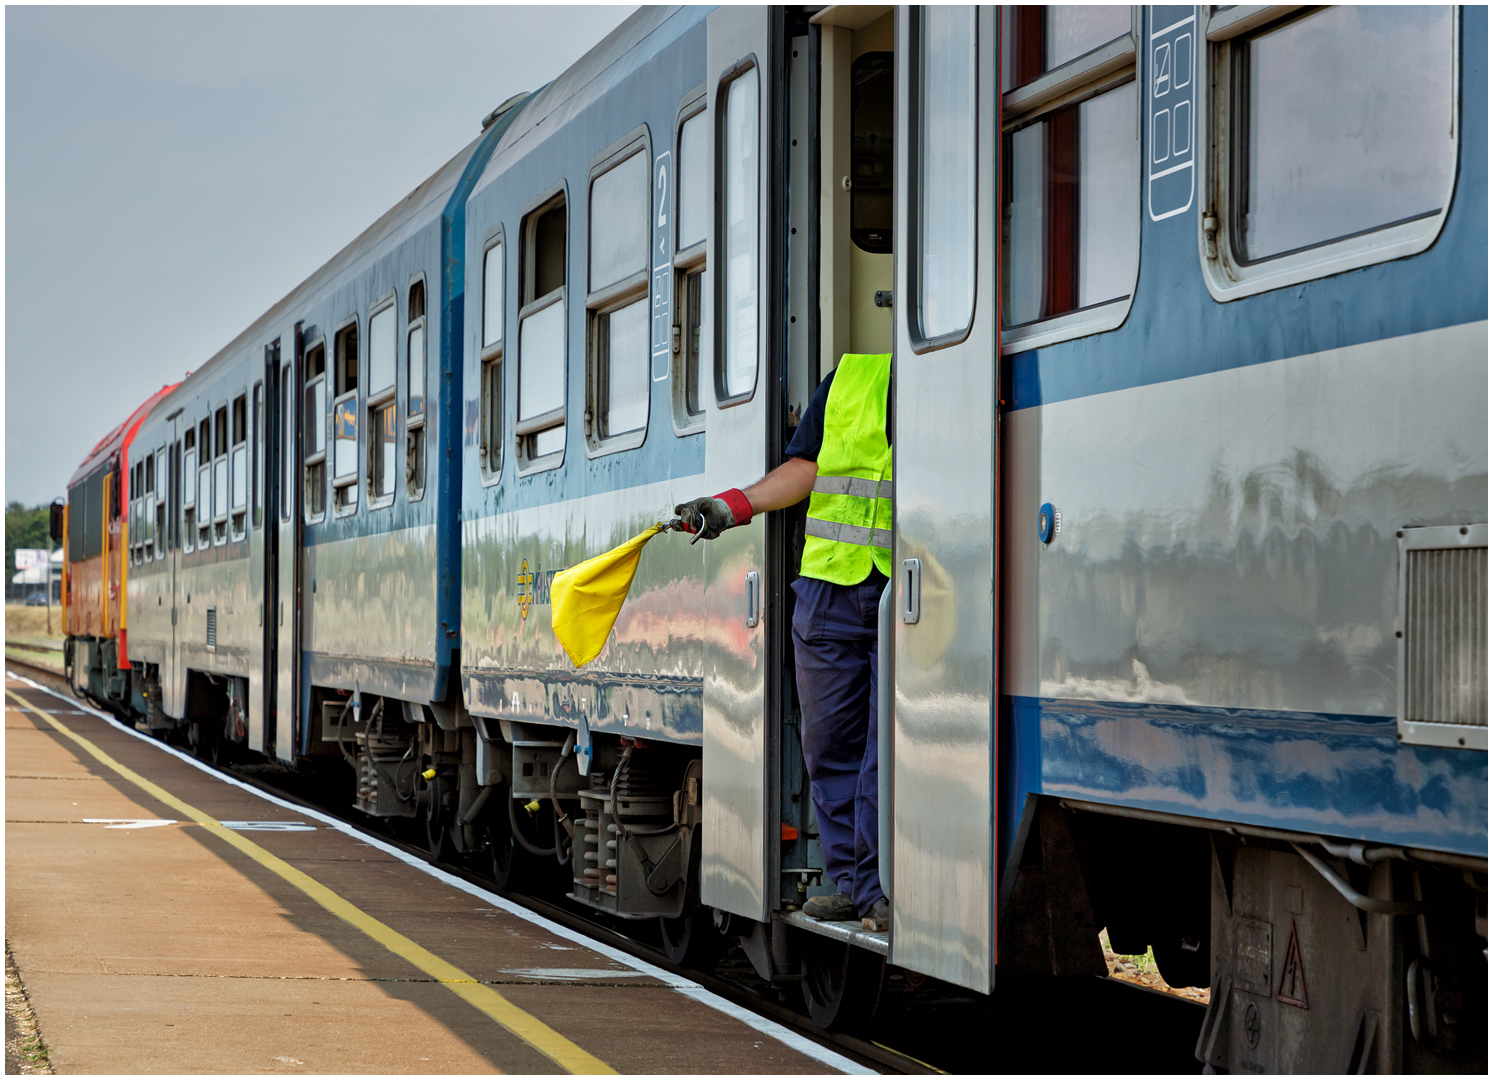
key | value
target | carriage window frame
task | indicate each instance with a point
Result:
(347, 402)
(415, 437)
(314, 464)
(526, 460)
(160, 518)
(204, 486)
(490, 366)
(378, 401)
(222, 449)
(257, 448)
(1227, 276)
(748, 65)
(1112, 65)
(238, 467)
(688, 262)
(189, 488)
(603, 302)
(919, 340)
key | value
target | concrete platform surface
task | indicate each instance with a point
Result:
(165, 920)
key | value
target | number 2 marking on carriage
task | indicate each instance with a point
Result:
(663, 273)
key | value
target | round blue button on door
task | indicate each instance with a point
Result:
(1044, 523)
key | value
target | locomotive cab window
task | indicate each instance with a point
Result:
(238, 468)
(1363, 175)
(541, 338)
(692, 202)
(189, 489)
(382, 404)
(345, 420)
(314, 432)
(490, 439)
(618, 235)
(414, 401)
(1071, 213)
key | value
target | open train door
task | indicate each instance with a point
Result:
(943, 745)
(738, 758)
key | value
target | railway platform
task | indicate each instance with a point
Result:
(166, 919)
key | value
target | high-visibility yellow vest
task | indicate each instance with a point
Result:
(850, 510)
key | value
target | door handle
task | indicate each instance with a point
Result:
(753, 598)
(912, 590)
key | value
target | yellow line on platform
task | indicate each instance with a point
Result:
(531, 1030)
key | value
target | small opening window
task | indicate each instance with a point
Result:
(945, 179)
(490, 437)
(238, 468)
(314, 432)
(205, 483)
(414, 436)
(345, 420)
(189, 489)
(736, 373)
(1040, 38)
(541, 336)
(617, 305)
(256, 474)
(383, 427)
(694, 202)
(220, 475)
(158, 510)
(694, 180)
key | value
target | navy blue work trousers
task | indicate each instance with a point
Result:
(834, 648)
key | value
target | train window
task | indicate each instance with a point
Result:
(175, 513)
(382, 426)
(1290, 182)
(617, 304)
(204, 483)
(414, 413)
(189, 489)
(490, 435)
(944, 142)
(736, 373)
(345, 420)
(158, 507)
(693, 199)
(541, 338)
(220, 476)
(1038, 39)
(256, 482)
(238, 468)
(314, 429)
(1071, 155)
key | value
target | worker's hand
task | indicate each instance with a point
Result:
(721, 512)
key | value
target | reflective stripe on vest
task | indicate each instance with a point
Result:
(850, 511)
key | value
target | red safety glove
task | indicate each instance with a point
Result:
(721, 512)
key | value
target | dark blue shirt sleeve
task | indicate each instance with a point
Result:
(809, 436)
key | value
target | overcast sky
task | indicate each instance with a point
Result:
(171, 172)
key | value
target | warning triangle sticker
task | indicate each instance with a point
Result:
(1292, 990)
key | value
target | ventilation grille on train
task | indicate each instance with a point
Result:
(212, 628)
(1443, 642)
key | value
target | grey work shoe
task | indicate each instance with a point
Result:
(835, 908)
(879, 917)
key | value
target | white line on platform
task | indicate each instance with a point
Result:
(688, 987)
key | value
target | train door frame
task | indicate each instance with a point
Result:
(270, 481)
(173, 704)
(289, 525)
(942, 850)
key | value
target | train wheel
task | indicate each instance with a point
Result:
(692, 940)
(842, 983)
(205, 739)
(503, 850)
(439, 810)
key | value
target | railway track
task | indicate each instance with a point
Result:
(922, 1026)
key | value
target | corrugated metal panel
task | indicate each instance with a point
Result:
(1446, 636)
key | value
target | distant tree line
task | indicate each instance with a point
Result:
(24, 528)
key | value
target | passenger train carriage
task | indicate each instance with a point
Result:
(1187, 637)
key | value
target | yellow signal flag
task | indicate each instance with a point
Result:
(586, 599)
